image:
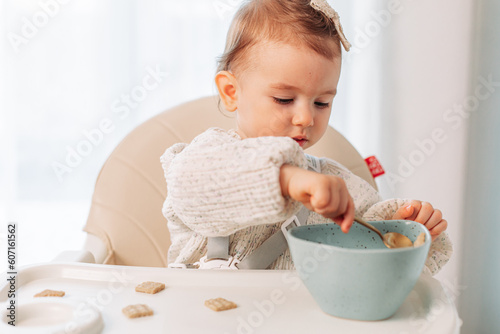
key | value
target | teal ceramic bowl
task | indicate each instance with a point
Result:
(354, 275)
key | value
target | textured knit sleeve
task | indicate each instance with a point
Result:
(441, 248)
(220, 184)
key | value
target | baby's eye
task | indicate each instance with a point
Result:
(282, 101)
(322, 104)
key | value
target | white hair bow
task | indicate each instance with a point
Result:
(325, 8)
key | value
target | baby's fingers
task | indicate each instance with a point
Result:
(348, 220)
(438, 229)
(404, 212)
(435, 218)
(345, 218)
(322, 201)
(330, 199)
(425, 213)
(409, 211)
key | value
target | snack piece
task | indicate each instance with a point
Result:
(150, 287)
(50, 293)
(420, 240)
(137, 310)
(220, 304)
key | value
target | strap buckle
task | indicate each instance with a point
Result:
(230, 263)
(291, 222)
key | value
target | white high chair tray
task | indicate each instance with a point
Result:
(268, 302)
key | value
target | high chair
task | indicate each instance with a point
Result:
(127, 230)
(125, 224)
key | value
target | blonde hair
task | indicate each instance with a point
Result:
(289, 21)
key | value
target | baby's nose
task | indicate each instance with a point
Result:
(303, 117)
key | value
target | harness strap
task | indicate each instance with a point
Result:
(264, 255)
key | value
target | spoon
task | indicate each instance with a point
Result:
(390, 239)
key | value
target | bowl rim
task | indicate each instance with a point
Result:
(371, 250)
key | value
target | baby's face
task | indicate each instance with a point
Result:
(287, 91)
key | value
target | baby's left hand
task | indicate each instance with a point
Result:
(423, 213)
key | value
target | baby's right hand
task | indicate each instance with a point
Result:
(324, 194)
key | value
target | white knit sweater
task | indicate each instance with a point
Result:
(221, 185)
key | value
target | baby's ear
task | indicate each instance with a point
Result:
(226, 84)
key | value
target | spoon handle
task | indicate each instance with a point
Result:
(368, 225)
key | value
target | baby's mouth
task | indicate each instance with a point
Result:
(300, 141)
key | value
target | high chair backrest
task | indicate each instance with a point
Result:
(126, 209)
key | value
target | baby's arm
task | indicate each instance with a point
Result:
(220, 184)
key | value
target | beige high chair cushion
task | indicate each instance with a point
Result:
(126, 210)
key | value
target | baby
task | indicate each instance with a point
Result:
(279, 75)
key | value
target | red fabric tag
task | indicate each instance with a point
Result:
(374, 166)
